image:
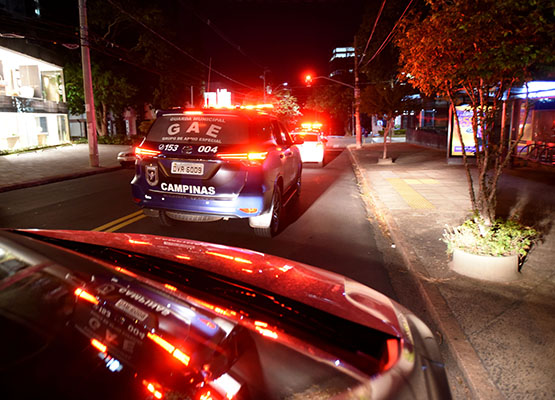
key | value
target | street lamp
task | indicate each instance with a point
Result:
(272, 90)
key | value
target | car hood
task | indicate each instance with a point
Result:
(328, 291)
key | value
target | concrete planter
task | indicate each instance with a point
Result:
(497, 269)
(12, 140)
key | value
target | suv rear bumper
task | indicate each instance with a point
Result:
(243, 205)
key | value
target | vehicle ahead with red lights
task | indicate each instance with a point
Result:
(205, 165)
(95, 315)
(313, 148)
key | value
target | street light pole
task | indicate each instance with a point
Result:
(358, 129)
(87, 85)
(356, 90)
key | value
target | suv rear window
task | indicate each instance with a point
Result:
(308, 137)
(218, 129)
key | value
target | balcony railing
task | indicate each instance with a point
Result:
(31, 105)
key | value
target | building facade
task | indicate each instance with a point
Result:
(33, 112)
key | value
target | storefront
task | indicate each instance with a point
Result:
(33, 112)
(539, 115)
(540, 122)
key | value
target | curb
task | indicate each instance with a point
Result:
(57, 178)
(468, 361)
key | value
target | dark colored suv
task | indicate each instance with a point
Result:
(205, 165)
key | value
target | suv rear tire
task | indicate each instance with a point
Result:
(165, 220)
(274, 221)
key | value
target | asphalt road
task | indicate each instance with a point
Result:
(327, 228)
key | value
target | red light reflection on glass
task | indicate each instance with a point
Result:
(85, 296)
(170, 348)
(126, 272)
(206, 396)
(262, 328)
(208, 323)
(99, 345)
(184, 358)
(267, 332)
(216, 309)
(151, 387)
(161, 342)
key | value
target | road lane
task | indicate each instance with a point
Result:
(327, 228)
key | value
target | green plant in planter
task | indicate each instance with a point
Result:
(501, 238)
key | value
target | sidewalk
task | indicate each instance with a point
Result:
(501, 335)
(54, 164)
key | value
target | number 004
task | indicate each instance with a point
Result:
(207, 149)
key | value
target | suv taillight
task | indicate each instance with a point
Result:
(252, 158)
(143, 152)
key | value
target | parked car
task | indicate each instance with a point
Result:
(206, 165)
(127, 158)
(94, 315)
(313, 148)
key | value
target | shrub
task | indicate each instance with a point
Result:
(502, 238)
(115, 139)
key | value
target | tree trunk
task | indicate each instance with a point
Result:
(103, 119)
(469, 179)
(385, 133)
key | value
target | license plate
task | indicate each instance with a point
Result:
(187, 168)
(131, 310)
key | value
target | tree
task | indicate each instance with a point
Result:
(482, 49)
(384, 96)
(334, 99)
(111, 92)
(286, 107)
(388, 100)
(155, 39)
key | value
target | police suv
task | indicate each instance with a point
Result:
(209, 164)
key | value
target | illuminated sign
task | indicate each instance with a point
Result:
(464, 114)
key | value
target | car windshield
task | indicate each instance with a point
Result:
(88, 327)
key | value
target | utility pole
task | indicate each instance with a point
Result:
(263, 77)
(87, 85)
(209, 71)
(357, 101)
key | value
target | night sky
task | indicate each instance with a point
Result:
(286, 37)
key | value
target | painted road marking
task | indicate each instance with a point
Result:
(421, 181)
(411, 196)
(121, 222)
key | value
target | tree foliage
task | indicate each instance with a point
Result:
(334, 99)
(388, 100)
(482, 49)
(286, 107)
(111, 92)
